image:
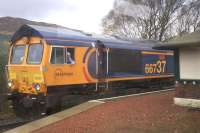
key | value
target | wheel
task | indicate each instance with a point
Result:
(35, 110)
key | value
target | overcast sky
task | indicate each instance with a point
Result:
(79, 14)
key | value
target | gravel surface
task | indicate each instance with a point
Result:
(153, 113)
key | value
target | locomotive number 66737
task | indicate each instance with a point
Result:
(47, 63)
(157, 67)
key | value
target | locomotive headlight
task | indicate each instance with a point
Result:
(10, 83)
(37, 87)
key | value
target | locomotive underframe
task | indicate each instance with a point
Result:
(27, 105)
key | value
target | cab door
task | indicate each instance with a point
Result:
(101, 61)
(101, 65)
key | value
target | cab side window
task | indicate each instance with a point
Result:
(57, 55)
(69, 52)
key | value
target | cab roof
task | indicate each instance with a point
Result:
(70, 37)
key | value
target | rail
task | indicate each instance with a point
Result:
(12, 123)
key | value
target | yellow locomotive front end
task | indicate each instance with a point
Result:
(26, 80)
(25, 73)
(25, 66)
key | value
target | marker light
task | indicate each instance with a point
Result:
(10, 83)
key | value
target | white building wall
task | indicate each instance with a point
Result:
(190, 63)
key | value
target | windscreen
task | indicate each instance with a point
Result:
(35, 54)
(18, 54)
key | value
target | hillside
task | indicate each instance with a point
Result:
(8, 25)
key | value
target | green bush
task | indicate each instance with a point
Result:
(4, 45)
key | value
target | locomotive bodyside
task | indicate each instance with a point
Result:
(126, 64)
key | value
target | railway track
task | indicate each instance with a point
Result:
(11, 123)
(2, 100)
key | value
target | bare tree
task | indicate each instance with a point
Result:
(189, 18)
(148, 19)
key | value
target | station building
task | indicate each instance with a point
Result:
(187, 68)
